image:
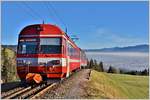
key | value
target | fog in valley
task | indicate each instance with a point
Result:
(125, 60)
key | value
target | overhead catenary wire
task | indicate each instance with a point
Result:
(57, 15)
(27, 11)
(33, 11)
(49, 7)
(49, 12)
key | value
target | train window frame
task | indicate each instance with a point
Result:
(60, 45)
(60, 39)
(19, 49)
(73, 52)
(23, 44)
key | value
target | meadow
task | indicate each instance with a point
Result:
(105, 85)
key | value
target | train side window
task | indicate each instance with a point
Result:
(69, 49)
(73, 52)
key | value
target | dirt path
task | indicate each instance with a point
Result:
(72, 88)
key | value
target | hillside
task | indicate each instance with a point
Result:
(136, 48)
(8, 65)
(100, 85)
(104, 85)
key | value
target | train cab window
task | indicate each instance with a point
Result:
(27, 48)
(50, 46)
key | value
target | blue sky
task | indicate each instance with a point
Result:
(97, 24)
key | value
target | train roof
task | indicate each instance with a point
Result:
(44, 29)
(41, 29)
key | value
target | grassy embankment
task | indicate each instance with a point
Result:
(104, 85)
(8, 65)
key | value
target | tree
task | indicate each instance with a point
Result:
(91, 63)
(112, 70)
(95, 65)
(4, 65)
(100, 67)
(122, 71)
(88, 64)
(9, 72)
(145, 72)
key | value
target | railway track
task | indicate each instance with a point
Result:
(31, 92)
(27, 92)
(7, 93)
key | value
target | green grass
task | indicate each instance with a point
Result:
(104, 85)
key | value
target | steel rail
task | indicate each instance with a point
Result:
(9, 92)
(17, 93)
(43, 91)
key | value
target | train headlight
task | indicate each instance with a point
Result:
(19, 61)
(28, 62)
(41, 63)
(55, 62)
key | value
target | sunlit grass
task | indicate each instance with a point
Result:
(104, 85)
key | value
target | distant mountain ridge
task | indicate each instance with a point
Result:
(136, 48)
(12, 47)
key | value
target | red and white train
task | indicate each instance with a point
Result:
(46, 51)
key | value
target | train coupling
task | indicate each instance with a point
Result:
(34, 78)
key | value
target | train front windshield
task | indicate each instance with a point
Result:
(50, 45)
(44, 46)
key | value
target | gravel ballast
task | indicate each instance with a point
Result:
(71, 88)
